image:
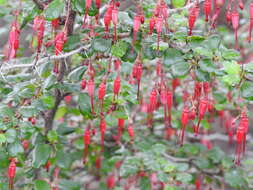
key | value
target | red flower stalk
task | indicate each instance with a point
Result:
(115, 22)
(91, 88)
(39, 28)
(152, 100)
(235, 24)
(152, 23)
(228, 16)
(130, 131)
(202, 110)
(251, 20)
(136, 28)
(11, 173)
(102, 130)
(159, 27)
(207, 9)
(184, 121)
(86, 142)
(13, 40)
(116, 86)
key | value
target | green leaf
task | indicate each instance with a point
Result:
(172, 56)
(77, 74)
(41, 155)
(84, 105)
(69, 185)
(184, 177)
(61, 111)
(11, 135)
(52, 136)
(247, 90)
(2, 138)
(54, 9)
(101, 45)
(119, 49)
(15, 148)
(231, 79)
(180, 69)
(230, 54)
(231, 67)
(235, 179)
(207, 65)
(203, 52)
(63, 161)
(178, 3)
(79, 6)
(41, 185)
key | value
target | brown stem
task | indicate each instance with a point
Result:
(39, 4)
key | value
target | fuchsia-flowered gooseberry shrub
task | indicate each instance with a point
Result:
(152, 95)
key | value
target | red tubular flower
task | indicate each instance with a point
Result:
(197, 90)
(55, 23)
(91, 88)
(117, 64)
(110, 182)
(83, 84)
(39, 28)
(107, 20)
(198, 183)
(47, 166)
(11, 173)
(163, 99)
(137, 25)
(25, 144)
(169, 104)
(152, 23)
(115, 22)
(86, 142)
(101, 91)
(59, 42)
(121, 123)
(235, 24)
(207, 9)
(203, 106)
(116, 86)
(152, 100)
(184, 121)
(175, 83)
(138, 76)
(159, 27)
(102, 130)
(13, 40)
(191, 20)
(241, 133)
(87, 7)
(251, 20)
(130, 131)
(206, 88)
